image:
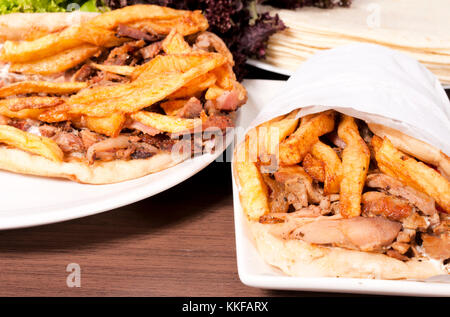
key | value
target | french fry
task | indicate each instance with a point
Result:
(186, 24)
(110, 126)
(57, 63)
(99, 37)
(54, 43)
(17, 104)
(174, 43)
(225, 76)
(31, 143)
(165, 123)
(355, 164)
(214, 92)
(314, 167)
(123, 70)
(272, 133)
(411, 172)
(170, 63)
(333, 167)
(253, 191)
(110, 20)
(194, 87)
(29, 87)
(51, 44)
(172, 107)
(56, 114)
(298, 144)
(134, 96)
(21, 114)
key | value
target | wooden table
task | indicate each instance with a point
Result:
(178, 243)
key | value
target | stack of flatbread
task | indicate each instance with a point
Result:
(416, 27)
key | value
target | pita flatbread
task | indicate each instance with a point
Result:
(415, 27)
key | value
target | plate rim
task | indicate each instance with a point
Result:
(130, 195)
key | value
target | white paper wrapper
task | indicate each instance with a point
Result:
(372, 83)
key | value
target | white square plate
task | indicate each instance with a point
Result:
(253, 271)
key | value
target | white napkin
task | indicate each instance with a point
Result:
(372, 83)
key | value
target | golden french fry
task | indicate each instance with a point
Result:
(57, 63)
(55, 114)
(170, 63)
(189, 23)
(31, 143)
(214, 92)
(17, 104)
(110, 126)
(194, 87)
(99, 37)
(158, 14)
(29, 87)
(225, 76)
(355, 164)
(172, 107)
(165, 123)
(411, 172)
(51, 44)
(21, 114)
(115, 69)
(271, 133)
(333, 167)
(253, 191)
(54, 43)
(314, 167)
(134, 96)
(174, 43)
(294, 148)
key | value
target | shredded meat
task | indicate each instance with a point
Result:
(394, 187)
(106, 149)
(150, 51)
(143, 128)
(217, 122)
(121, 55)
(277, 197)
(83, 73)
(89, 138)
(299, 188)
(228, 101)
(68, 142)
(191, 109)
(128, 31)
(159, 141)
(380, 204)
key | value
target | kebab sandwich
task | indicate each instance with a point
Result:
(112, 97)
(329, 195)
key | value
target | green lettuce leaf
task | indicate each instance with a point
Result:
(10, 6)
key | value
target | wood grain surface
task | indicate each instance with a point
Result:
(178, 243)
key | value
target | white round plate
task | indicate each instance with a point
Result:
(30, 201)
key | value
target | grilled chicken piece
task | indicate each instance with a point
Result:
(394, 187)
(360, 233)
(380, 204)
(437, 247)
